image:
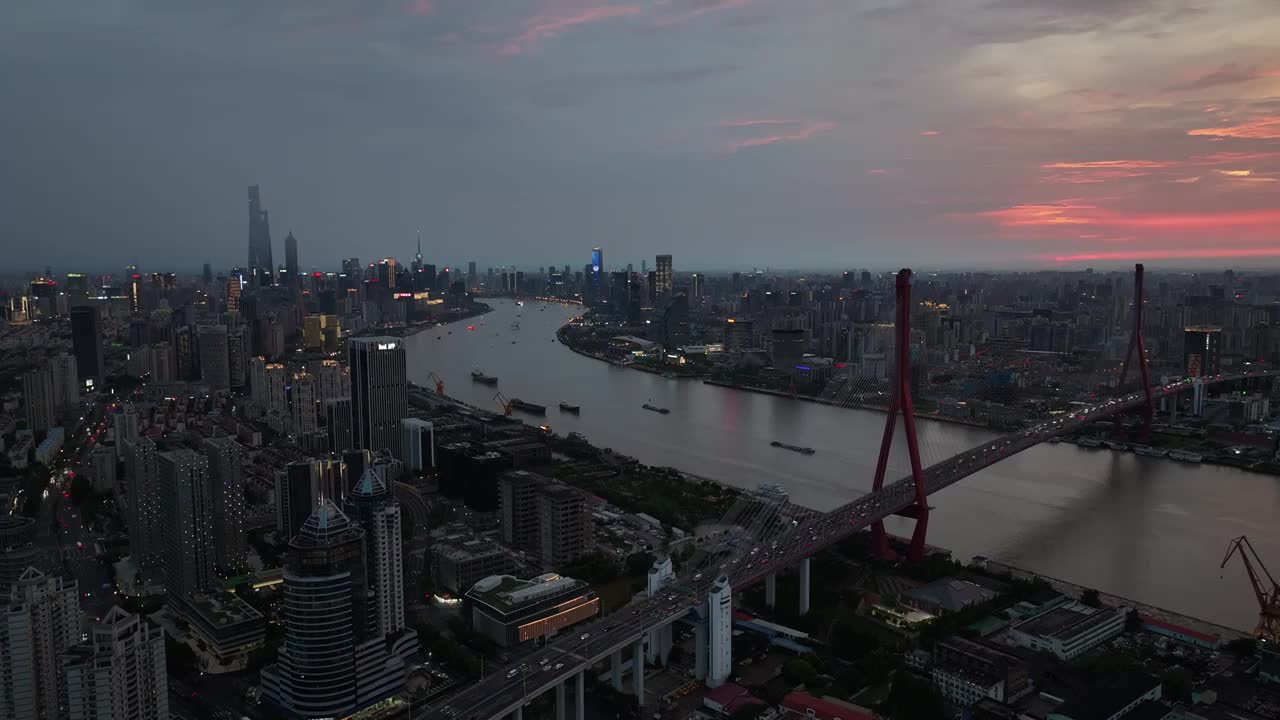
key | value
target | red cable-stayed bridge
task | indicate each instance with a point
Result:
(770, 537)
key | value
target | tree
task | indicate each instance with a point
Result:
(799, 671)
(179, 658)
(1132, 622)
(1090, 597)
(912, 698)
(1243, 647)
(1176, 684)
(638, 564)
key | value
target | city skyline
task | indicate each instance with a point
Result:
(1005, 135)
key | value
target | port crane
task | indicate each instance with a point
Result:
(1268, 628)
(439, 383)
(504, 402)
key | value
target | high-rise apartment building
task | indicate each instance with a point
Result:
(260, 264)
(119, 672)
(37, 398)
(226, 459)
(187, 522)
(564, 525)
(665, 277)
(371, 506)
(379, 392)
(329, 665)
(215, 369)
(518, 503)
(235, 283)
(237, 356)
(145, 509)
(302, 404)
(337, 418)
(720, 628)
(86, 344)
(38, 622)
(66, 384)
(330, 382)
(126, 424)
(291, 259)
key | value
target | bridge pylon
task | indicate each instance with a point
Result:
(1138, 349)
(900, 402)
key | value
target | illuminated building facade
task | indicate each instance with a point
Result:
(1202, 351)
(511, 611)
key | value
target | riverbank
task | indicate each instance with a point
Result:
(1189, 454)
(1224, 633)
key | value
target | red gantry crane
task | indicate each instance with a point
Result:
(1264, 587)
(439, 383)
(506, 404)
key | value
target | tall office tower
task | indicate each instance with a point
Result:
(206, 275)
(328, 666)
(234, 286)
(185, 361)
(337, 427)
(387, 271)
(145, 518)
(371, 506)
(720, 609)
(260, 263)
(564, 525)
(66, 383)
(215, 370)
(1202, 351)
(39, 620)
(329, 381)
(595, 274)
(697, 285)
(126, 427)
(379, 392)
(302, 404)
(291, 259)
(37, 398)
(301, 487)
(473, 280)
(237, 355)
(417, 443)
(86, 343)
(518, 503)
(187, 522)
(226, 459)
(665, 277)
(119, 672)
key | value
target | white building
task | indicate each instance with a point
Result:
(1069, 630)
(417, 444)
(658, 642)
(118, 673)
(720, 621)
(38, 623)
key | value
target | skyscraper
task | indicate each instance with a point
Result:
(39, 620)
(329, 666)
(1202, 351)
(235, 283)
(379, 392)
(66, 383)
(720, 609)
(291, 258)
(260, 263)
(226, 460)
(376, 511)
(564, 525)
(301, 487)
(119, 672)
(142, 488)
(665, 276)
(302, 404)
(187, 526)
(215, 367)
(86, 344)
(472, 280)
(237, 356)
(337, 416)
(595, 275)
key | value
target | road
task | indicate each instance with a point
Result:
(745, 563)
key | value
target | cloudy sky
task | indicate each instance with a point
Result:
(731, 133)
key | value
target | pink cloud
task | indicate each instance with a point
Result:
(1110, 164)
(786, 131)
(703, 7)
(1169, 254)
(422, 8)
(542, 27)
(931, 133)
(877, 171)
(1263, 128)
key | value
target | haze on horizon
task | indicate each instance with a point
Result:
(731, 133)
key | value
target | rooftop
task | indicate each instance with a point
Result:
(950, 594)
(224, 609)
(1066, 622)
(506, 592)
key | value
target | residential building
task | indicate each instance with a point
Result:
(521, 517)
(965, 671)
(215, 368)
(40, 620)
(226, 459)
(37, 397)
(187, 522)
(119, 672)
(460, 562)
(374, 508)
(564, 525)
(126, 425)
(511, 611)
(145, 509)
(337, 425)
(302, 405)
(103, 462)
(86, 344)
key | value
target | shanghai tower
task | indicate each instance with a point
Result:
(260, 265)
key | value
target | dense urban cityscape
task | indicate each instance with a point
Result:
(263, 492)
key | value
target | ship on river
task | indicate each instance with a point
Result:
(655, 408)
(477, 376)
(534, 408)
(793, 448)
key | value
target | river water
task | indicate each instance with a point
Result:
(1146, 528)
